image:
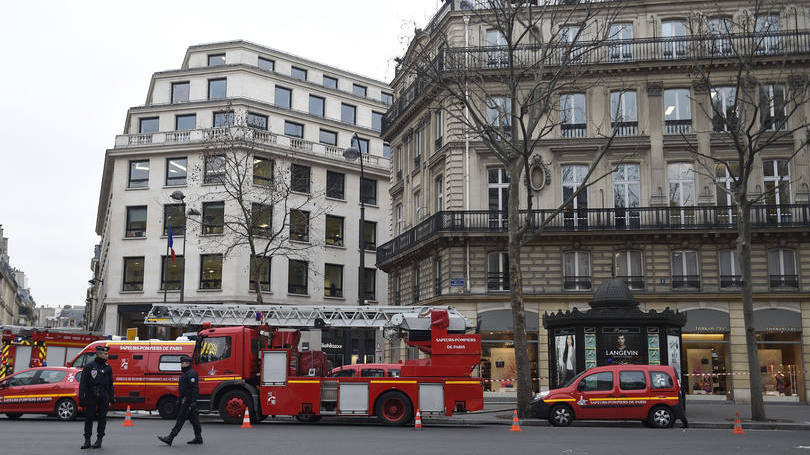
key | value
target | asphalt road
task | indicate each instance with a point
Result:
(47, 436)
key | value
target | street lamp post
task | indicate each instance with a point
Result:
(352, 153)
(179, 196)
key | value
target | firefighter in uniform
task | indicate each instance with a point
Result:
(189, 391)
(96, 395)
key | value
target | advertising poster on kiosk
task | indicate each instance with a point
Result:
(674, 350)
(565, 347)
(621, 346)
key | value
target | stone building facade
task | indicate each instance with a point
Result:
(303, 115)
(657, 221)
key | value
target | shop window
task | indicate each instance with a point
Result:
(707, 361)
(632, 380)
(780, 365)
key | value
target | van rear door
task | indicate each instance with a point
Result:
(633, 398)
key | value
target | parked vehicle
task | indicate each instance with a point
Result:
(650, 393)
(31, 347)
(367, 370)
(145, 373)
(43, 390)
(259, 368)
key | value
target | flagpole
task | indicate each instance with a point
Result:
(164, 268)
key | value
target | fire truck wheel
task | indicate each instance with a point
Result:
(661, 417)
(65, 410)
(561, 416)
(167, 408)
(13, 415)
(394, 408)
(232, 406)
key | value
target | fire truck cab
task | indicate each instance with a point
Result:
(261, 369)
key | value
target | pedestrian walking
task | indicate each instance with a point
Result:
(188, 391)
(96, 396)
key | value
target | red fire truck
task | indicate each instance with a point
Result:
(145, 372)
(247, 357)
(31, 347)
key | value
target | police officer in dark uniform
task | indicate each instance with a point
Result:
(189, 391)
(96, 395)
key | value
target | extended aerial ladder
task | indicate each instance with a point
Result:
(396, 321)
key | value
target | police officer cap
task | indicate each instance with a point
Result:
(102, 349)
(185, 358)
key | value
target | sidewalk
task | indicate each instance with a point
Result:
(700, 415)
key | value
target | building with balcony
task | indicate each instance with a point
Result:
(16, 303)
(302, 115)
(658, 221)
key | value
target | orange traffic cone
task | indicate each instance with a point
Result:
(418, 422)
(128, 419)
(515, 422)
(246, 420)
(737, 425)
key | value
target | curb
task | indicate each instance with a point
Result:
(624, 424)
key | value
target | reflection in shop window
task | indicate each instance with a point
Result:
(780, 360)
(707, 361)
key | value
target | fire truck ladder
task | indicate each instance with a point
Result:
(301, 316)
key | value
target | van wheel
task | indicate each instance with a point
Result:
(14, 415)
(393, 408)
(661, 417)
(232, 406)
(65, 410)
(167, 408)
(561, 416)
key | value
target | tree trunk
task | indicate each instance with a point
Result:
(744, 254)
(523, 370)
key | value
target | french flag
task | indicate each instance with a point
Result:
(171, 246)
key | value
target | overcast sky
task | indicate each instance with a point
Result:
(71, 70)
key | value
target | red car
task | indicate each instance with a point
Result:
(42, 390)
(650, 393)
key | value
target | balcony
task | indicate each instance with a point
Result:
(635, 220)
(784, 281)
(260, 137)
(614, 52)
(685, 281)
(731, 281)
(678, 126)
(497, 281)
(573, 130)
(632, 281)
(577, 283)
(625, 128)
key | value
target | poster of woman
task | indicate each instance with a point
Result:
(566, 358)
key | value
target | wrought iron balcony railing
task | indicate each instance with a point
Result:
(731, 281)
(685, 281)
(577, 283)
(636, 219)
(784, 281)
(633, 281)
(611, 52)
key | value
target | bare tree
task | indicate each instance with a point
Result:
(268, 203)
(757, 98)
(507, 95)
